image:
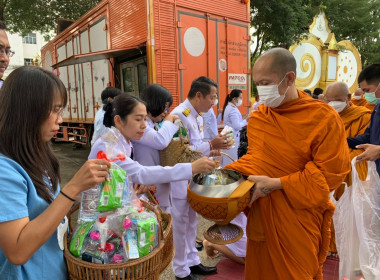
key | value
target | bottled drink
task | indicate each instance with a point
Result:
(89, 204)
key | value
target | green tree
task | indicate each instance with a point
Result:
(359, 22)
(280, 23)
(25, 16)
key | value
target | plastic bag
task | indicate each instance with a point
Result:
(357, 226)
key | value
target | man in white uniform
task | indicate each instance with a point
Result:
(201, 98)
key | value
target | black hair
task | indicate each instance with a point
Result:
(2, 25)
(317, 91)
(370, 74)
(27, 100)
(203, 85)
(122, 105)
(308, 91)
(155, 97)
(234, 93)
(109, 92)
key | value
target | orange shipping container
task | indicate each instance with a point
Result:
(130, 44)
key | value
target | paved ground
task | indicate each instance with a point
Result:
(71, 159)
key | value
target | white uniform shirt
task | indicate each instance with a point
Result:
(232, 117)
(99, 128)
(194, 125)
(144, 175)
(146, 152)
(210, 124)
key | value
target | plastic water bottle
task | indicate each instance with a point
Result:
(89, 204)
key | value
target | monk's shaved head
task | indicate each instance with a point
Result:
(358, 92)
(282, 61)
(337, 91)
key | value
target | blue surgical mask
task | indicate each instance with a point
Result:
(371, 98)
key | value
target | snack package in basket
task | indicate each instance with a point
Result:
(79, 236)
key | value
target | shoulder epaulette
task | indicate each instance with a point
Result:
(186, 112)
(233, 106)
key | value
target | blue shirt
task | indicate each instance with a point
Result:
(19, 199)
(370, 136)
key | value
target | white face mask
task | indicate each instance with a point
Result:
(240, 102)
(357, 97)
(270, 96)
(215, 102)
(338, 105)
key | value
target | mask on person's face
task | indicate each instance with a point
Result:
(215, 102)
(270, 96)
(357, 97)
(371, 98)
(338, 105)
(240, 102)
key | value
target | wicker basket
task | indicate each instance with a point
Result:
(147, 267)
(178, 150)
(168, 248)
(167, 226)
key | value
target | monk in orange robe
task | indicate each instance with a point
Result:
(297, 154)
(359, 100)
(355, 120)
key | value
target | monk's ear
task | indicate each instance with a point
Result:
(291, 76)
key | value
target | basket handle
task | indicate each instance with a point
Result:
(154, 201)
(181, 137)
(227, 155)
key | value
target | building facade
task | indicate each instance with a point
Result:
(27, 49)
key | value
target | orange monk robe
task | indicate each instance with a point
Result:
(363, 102)
(355, 119)
(303, 143)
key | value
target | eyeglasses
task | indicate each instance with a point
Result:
(59, 111)
(8, 52)
(167, 109)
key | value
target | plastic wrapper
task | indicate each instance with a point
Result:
(112, 189)
(117, 191)
(79, 236)
(357, 226)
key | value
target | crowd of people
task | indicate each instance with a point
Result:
(299, 151)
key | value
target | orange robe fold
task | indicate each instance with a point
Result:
(355, 119)
(364, 103)
(302, 142)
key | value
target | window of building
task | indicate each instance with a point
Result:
(28, 61)
(30, 38)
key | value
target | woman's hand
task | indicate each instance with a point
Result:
(371, 152)
(93, 172)
(263, 186)
(202, 165)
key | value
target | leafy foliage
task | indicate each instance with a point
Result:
(285, 22)
(25, 16)
(359, 22)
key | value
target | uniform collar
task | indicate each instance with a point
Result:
(193, 112)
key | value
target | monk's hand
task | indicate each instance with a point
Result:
(263, 186)
(371, 152)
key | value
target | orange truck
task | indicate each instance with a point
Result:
(130, 44)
